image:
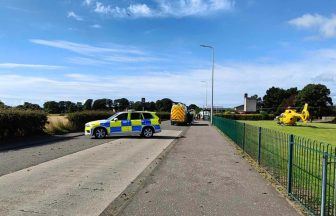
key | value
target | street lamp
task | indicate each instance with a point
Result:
(206, 93)
(212, 77)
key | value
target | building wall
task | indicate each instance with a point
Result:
(250, 105)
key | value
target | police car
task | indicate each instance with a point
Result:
(125, 123)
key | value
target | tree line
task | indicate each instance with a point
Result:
(276, 100)
(104, 104)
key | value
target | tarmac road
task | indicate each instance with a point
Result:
(82, 183)
(17, 159)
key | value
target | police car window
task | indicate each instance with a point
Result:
(122, 116)
(147, 115)
(136, 116)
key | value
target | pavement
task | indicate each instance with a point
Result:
(203, 175)
(81, 183)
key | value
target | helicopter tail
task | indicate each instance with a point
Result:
(305, 113)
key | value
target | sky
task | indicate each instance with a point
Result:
(79, 49)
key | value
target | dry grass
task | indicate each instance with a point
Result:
(57, 124)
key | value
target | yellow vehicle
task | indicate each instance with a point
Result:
(178, 114)
(290, 116)
(125, 123)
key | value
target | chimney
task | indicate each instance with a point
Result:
(245, 95)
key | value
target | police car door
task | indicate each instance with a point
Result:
(136, 119)
(120, 124)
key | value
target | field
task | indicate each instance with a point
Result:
(57, 124)
(317, 131)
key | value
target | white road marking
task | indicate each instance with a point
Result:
(83, 183)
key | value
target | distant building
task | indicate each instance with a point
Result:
(250, 105)
(239, 108)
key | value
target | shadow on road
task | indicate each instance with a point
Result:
(155, 137)
(35, 141)
(200, 125)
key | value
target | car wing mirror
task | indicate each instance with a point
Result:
(115, 119)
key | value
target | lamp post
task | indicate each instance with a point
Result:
(212, 77)
(206, 93)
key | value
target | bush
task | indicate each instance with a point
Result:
(163, 115)
(19, 123)
(78, 119)
(252, 117)
(334, 121)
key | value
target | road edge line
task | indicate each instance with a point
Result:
(126, 196)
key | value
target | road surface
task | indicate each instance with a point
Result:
(82, 183)
(14, 160)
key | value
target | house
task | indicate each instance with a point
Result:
(249, 106)
(239, 108)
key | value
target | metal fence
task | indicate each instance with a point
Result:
(305, 167)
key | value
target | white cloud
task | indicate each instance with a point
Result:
(97, 26)
(84, 49)
(72, 14)
(141, 10)
(165, 8)
(87, 2)
(232, 80)
(31, 66)
(95, 55)
(326, 26)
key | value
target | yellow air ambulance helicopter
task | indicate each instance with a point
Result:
(290, 116)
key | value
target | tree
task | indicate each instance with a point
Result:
(259, 101)
(137, 106)
(29, 106)
(2, 105)
(318, 98)
(192, 106)
(79, 106)
(102, 104)
(150, 106)
(121, 104)
(88, 104)
(275, 99)
(51, 107)
(67, 107)
(71, 107)
(164, 105)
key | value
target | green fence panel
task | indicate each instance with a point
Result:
(306, 167)
(274, 154)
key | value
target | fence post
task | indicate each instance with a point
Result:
(335, 187)
(259, 145)
(244, 136)
(324, 182)
(290, 163)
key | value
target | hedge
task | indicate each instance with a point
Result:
(334, 121)
(78, 119)
(163, 115)
(20, 123)
(253, 117)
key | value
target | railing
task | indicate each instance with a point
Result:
(306, 168)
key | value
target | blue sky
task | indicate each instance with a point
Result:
(79, 49)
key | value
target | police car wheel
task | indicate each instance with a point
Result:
(100, 133)
(147, 132)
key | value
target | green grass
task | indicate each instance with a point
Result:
(317, 131)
